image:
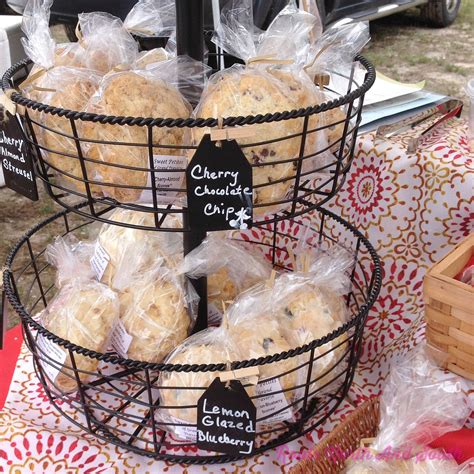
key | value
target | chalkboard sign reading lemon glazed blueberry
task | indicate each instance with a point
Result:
(219, 187)
(226, 419)
(16, 162)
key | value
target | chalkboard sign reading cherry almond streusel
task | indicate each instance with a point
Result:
(16, 162)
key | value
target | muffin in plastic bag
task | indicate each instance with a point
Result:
(84, 313)
(157, 311)
(230, 266)
(180, 390)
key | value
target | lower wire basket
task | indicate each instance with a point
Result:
(121, 400)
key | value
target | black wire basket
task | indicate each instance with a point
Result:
(316, 173)
(121, 400)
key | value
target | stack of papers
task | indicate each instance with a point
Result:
(389, 101)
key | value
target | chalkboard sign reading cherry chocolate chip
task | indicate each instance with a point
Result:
(16, 162)
(226, 419)
(219, 187)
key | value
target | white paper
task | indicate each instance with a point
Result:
(50, 353)
(120, 339)
(184, 433)
(164, 179)
(214, 316)
(385, 88)
(273, 402)
(99, 260)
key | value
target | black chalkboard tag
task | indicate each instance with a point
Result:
(16, 161)
(226, 419)
(219, 187)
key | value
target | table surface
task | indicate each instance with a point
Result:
(413, 208)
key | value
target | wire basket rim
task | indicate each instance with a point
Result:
(11, 294)
(190, 122)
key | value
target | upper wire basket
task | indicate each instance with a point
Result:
(123, 401)
(314, 174)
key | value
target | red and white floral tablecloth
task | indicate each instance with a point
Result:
(412, 208)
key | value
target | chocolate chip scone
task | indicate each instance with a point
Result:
(136, 95)
(241, 92)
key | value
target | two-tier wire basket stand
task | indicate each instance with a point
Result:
(120, 401)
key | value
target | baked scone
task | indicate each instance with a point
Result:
(154, 312)
(261, 336)
(137, 95)
(73, 95)
(309, 313)
(69, 55)
(106, 42)
(83, 312)
(241, 92)
(231, 267)
(68, 88)
(152, 56)
(133, 251)
(211, 346)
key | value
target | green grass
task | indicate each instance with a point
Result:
(466, 12)
(456, 69)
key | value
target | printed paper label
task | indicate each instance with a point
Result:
(214, 316)
(120, 339)
(99, 260)
(184, 433)
(164, 178)
(273, 402)
(53, 356)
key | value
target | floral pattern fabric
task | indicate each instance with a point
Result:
(413, 208)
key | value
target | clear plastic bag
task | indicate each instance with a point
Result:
(106, 42)
(420, 402)
(257, 333)
(121, 253)
(146, 59)
(71, 258)
(39, 44)
(230, 266)
(157, 312)
(181, 390)
(83, 312)
(310, 305)
(128, 93)
(152, 18)
(428, 462)
(68, 88)
(252, 90)
(55, 82)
